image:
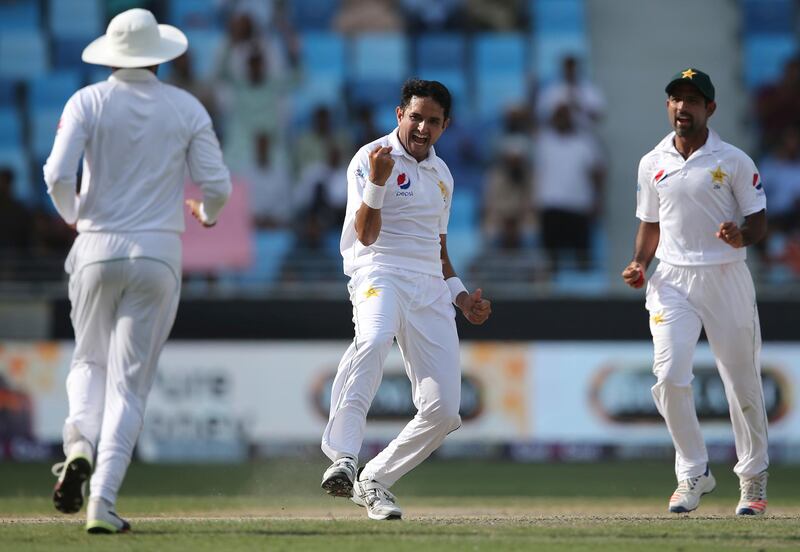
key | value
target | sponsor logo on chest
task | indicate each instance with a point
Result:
(403, 186)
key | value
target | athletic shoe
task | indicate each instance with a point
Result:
(379, 502)
(102, 519)
(753, 499)
(338, 478)
(686, 497)
(72, 475)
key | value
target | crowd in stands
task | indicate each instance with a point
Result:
(295, 86)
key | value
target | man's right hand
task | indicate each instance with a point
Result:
(634, 275)
(380, 165)
(195, 208)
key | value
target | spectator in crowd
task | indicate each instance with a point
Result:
(15, 226)
(322, 189)
(568, 187)
(494, 15)
(585, 100)
(359, 16)
(365, 129)
(780, 172)
(268, 184)
(258, 106)
(507, 195)
(183, 76)
(433, 15)
(777, 105)
(313, 145)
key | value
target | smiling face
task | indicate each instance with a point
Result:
(420, 125)
(688, 110)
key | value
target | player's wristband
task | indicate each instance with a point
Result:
(204, 217)
(373, 195)
(456, 286)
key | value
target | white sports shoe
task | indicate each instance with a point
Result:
(686, 497)
(72, 475)
(379, 502)
(753, 498)
(102, 519)
(338, 478)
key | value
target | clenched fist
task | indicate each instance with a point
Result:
(634, 275)
(476, 309)
(380, 165)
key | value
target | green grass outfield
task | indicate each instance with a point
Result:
(449, 505)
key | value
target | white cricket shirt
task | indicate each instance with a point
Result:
(137, 135)
(415, 212)
(691, 198)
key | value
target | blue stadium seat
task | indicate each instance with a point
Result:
(440, 51)
(307, 15)
(463, 244)
(591, 283)
(43, 125)
(194, 14)
(558, 16)
(270, 249)
(463, 211)
(75, 18)
(313, 91)
(53, 89)
(23, 54)
(204, 46)
(499, 53)
(380, 56)
(494, 93)
(8, 92)
(374, 92)
(15, 158)
(456, 82)
(323, 53)
(550, 48)
(765, 56)
(19, 15)
(768, 16)
(10, 127)
(67, 52)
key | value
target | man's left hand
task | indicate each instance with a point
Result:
(476, 309)
(730, 233)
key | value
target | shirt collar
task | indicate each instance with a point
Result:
(713, 143)
(398, 149)
(129, 75)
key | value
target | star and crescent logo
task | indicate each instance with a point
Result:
(657, 318)
(688, 74)
(718, 176)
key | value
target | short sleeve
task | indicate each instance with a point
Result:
(747, 187)
(646, 195)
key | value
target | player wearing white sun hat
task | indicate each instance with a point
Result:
(701, 203)
(402, 286)
(136, 135)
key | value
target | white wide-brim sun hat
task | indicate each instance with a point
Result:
(135, 39)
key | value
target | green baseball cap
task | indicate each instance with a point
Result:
(696, 77)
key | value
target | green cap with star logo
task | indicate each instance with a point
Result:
(696, 77)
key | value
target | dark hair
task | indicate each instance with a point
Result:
(426, 89)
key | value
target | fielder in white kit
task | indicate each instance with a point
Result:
(402, 286)
(701, 203)
(136, 135)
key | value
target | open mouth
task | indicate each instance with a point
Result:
(683, 120)
(418, 139)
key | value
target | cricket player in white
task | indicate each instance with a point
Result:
(701, 203)
(136, 136)
(402, 286)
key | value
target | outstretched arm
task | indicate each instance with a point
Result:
(476, 309)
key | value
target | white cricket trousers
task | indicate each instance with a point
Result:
(415, 309)
(720, 298)
(122, 313)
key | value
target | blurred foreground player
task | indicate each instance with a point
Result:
(136, 135)
(701, 203)
(402, 286)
